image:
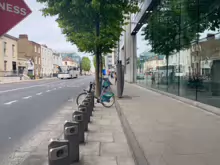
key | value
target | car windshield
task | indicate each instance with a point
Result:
(64, 69)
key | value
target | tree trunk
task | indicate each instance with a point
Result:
(98, 56)
(167, 68)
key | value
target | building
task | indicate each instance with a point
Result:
(108, 62)
(57, 61)
(67, 61)
(8, 55)
(29, 56)
(46, 61)
(72, 55)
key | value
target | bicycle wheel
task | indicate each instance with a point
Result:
(80, 98)
(109, 103)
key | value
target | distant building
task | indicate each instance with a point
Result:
(8, 55)
(46, 61)
(108, 62)
(67, 61)
(72, 55)
(57, 61)
(29, 56)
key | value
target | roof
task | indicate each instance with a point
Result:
(11, 37)
(68, 59)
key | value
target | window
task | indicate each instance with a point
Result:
(35, 48)
(38, 50)
(13, 50)
(5, 48)
(5, 65)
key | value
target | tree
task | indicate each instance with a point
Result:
(93, 25)
(103, 61)
(86, 64)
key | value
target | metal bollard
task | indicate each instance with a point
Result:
(83, 109)
(89, 99)
(71, 134)
(91, 95)
(58, 152)
(77, 116)
(87, 104)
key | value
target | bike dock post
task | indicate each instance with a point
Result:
(71, 133)
(77, 116)
(83, 109)
(88, 98)
(86, 103)
(58, 152)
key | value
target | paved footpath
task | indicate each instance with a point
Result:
(167, 131)
(105, 141)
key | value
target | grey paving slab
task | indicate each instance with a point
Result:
(98, 160)
(100, 137)
(115, 149)
(125, 161)
(91, 148)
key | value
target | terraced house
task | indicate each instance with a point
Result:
(29, 55)
(8, 55)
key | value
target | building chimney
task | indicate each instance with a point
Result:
(210, 36)
(23, 36)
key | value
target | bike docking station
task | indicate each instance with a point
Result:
(84, 111)
(67, 151)
(77, 116)
(89, 99)
(87, 104)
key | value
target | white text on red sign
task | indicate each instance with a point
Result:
(12, 9)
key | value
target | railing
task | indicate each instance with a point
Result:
(9, 74)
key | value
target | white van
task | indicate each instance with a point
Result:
(68, 72)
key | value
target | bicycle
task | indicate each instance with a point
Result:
(107, 96)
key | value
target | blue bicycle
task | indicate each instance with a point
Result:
(107, 97)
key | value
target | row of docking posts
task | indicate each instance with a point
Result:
(66, 151)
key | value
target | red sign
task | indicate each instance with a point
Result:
(11, 13)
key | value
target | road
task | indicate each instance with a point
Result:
(24, 106)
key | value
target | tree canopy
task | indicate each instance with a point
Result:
(78, 20)
(175, 24)
(86, 64)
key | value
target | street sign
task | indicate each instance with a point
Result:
(11, 13)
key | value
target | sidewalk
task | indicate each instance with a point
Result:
(105, 144)
(17, 80)
(167, 131)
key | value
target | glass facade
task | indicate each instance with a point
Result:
(178, 50)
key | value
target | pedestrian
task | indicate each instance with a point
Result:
(115, 78)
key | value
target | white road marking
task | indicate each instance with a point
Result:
(60, 87)
(54, 88)
(16, 89)
(27, 97)
(11, 102)
(48, 91)
(38, 94)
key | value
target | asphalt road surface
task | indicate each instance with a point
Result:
(24, 106)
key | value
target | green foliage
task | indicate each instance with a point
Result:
(78, 20)
(94, 61)
(174, 24)
(86, 64)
